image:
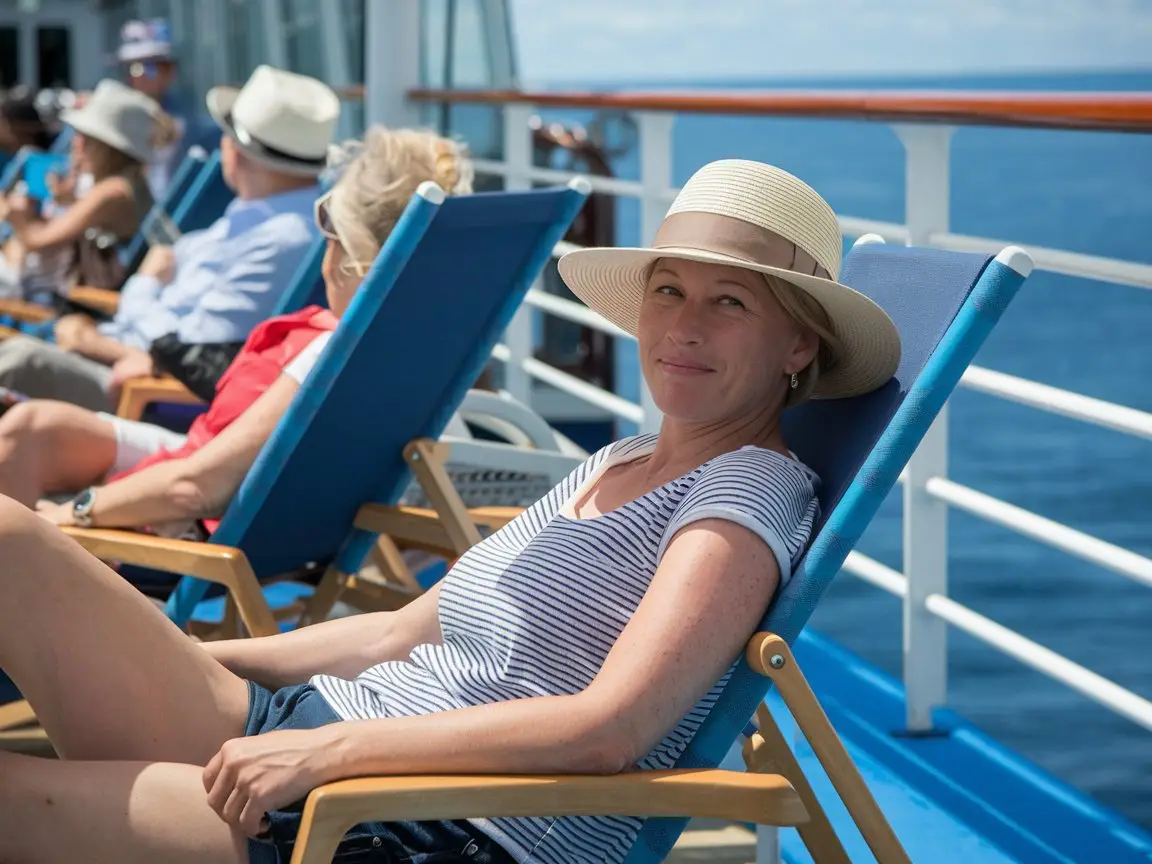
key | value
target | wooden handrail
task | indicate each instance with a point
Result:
(1114, 111)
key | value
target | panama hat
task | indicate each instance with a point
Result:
(118, 116)
(761, 218)
(280, 119)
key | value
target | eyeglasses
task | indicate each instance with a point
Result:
(328, 228)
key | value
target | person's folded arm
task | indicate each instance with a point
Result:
(712, 586)
(202, 484)
(343, 647)
(95, 208)
(232, 299)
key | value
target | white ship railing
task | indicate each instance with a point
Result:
(928, 492)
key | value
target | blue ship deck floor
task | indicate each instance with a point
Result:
(956, 797)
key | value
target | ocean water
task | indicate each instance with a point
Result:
(1083, 191)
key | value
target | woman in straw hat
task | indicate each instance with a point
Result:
(590, 635)
(114, 131)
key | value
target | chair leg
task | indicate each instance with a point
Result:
(772, 657)
(767, 752)
(324, 597)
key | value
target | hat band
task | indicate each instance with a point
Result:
(249, 140)
(735, 238)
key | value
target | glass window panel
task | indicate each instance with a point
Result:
(9, 57)
(53, 57)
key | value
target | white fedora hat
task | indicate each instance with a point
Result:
(118, 116)
(282, 120)
(758, 217)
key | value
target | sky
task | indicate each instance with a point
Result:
(652, 40)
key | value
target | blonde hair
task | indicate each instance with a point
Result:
(382, 175)
(806, 311)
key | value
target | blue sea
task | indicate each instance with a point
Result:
(1082, 191)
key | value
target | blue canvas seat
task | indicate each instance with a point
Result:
(944, 305)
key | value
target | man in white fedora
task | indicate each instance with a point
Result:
(189, 308)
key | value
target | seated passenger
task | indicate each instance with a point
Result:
(213, 286)
(21, 125)
(137, 474)
(563, 643)
(148, 64)
(112, 142)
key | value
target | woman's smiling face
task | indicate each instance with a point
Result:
(715, 345)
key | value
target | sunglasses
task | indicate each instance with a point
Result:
(143, 70)
(329, 230)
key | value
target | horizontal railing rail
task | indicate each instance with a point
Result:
(1125, 112)
(928, 492)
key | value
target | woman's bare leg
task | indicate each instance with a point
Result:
(107, 674)
(48, 447)
(124, 812)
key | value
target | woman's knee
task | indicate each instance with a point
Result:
(17, 522)
(41, 417)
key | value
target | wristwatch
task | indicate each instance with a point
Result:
(82, 506)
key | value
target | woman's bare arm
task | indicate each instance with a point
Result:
(712, 586)
(201, 485)
(98, 206)
(343, 647)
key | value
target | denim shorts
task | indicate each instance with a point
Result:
(302, 707)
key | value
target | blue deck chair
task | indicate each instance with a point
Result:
(451, 276)
(944, 304)
(33, 166)
(158, 225)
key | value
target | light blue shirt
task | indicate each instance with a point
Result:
(229, 277)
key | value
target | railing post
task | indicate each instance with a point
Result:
(656, 178)
(925, 519)
(518, 336)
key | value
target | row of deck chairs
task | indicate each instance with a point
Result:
(329, 486)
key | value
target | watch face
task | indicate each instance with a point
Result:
(82, 503)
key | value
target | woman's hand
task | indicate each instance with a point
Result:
(251, 776)
(73, 331)
(20, 209)
(57, 514)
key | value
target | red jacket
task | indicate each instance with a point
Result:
(271, 346)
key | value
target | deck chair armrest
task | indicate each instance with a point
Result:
(138, 393)
(98, 299)
(22, 310)
(202, 560)
(223, 565)
(711, 793)
(422, 527)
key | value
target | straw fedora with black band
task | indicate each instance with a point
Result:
(758, 217)
(282, 120)
(118, 116)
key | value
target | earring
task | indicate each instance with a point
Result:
(795, 382)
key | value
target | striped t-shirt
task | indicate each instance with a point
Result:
(534, 610)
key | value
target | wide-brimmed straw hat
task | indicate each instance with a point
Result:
(119, 116)
(280, 119)
(758, 217)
